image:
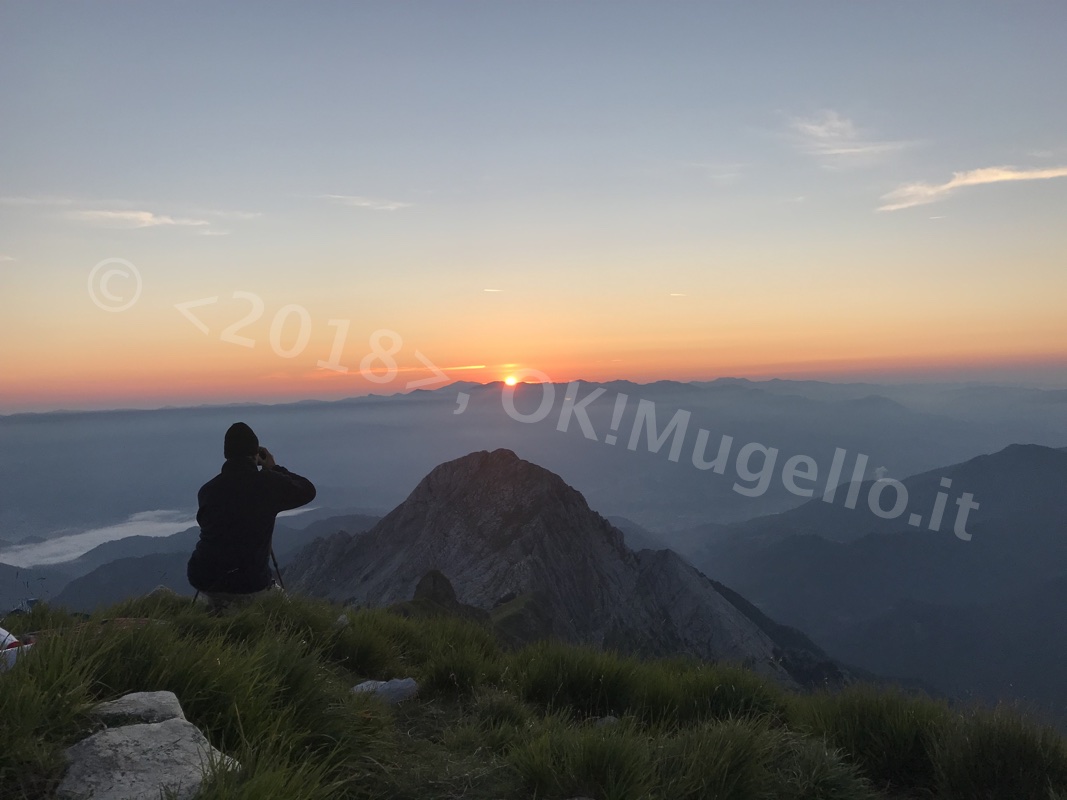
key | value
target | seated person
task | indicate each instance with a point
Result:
(231, 562)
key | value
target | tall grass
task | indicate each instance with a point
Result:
(890, 736)
(271, 687)
(988, 755)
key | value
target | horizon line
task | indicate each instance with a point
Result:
(372, 395)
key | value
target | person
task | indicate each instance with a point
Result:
(231, 563)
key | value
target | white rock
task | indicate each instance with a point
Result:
(139, 707)
(136, 762)
(393, 692)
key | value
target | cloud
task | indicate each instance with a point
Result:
(356, 201)
(134, 219)
(64, 548)
(6, 258)
(209, 232)
(240, 215)
(831, 136)
(919, 194)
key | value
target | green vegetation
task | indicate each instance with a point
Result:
(270, 686)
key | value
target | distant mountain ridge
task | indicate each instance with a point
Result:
(914, 603)
(498, 526)
(133, 566)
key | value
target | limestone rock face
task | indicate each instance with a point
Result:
(499, 526)
(140, 761)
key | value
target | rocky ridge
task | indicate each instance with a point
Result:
(500, 527)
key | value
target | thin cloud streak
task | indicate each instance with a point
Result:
(240, 215)
(720, 174)
(135, 219)
(370, 203)
(834, 136)
(919, 194)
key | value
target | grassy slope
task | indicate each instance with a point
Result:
(270, 686)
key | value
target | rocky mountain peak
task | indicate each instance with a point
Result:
(499, 526)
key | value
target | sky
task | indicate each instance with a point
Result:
(205, 202)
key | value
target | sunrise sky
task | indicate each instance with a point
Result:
(596, 190)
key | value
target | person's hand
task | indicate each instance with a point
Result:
(264, 458)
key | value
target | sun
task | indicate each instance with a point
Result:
(511, 380)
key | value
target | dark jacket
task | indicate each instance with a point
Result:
(236, 518)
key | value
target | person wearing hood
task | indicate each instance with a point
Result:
(237, 510)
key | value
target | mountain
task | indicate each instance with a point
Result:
(368, 452)
(124, 579)
(499, 527)
(287, 538)
(968, 616)
(131, 567)
(18, 584)
(1014, 648)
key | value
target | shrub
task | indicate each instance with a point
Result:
(806, 769)
(889, 735)
(590, 682)
(612, 763)
(999, 754)
(727, 760)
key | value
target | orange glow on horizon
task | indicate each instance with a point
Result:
(118, 388)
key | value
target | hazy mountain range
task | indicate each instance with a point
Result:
(980, 617)
(367, 452)
(985, 616)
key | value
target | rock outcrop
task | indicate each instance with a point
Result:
(435, 597)
(392, 692)
(500, 526)
(148, 749)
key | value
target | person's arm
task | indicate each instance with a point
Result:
(287, 489)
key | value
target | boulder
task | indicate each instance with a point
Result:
(392, 692)
(138, 762)
(435, 597)
(139, 707)
(436, 588)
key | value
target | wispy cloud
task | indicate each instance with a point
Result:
(210, 232)
(920, 194)
(370, 203)
(135, 219)
(238, 215)
(721, 174)
(836, 139)
(6, 258)
(21, 200)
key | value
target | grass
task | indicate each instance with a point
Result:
(270, 686)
